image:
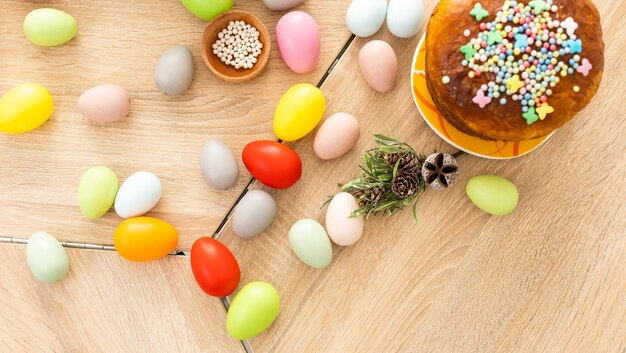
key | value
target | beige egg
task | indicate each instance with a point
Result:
(379, 65)
(104, 103)
(337, 135)
(342, 229)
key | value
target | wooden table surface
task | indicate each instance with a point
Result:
(551, 277)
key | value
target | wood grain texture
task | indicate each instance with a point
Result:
(547, 278)
(107, 304)
(120, 42)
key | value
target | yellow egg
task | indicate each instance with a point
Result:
(298, 112)
(24, 108)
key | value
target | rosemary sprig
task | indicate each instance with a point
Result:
(374, 189)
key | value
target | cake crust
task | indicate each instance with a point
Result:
(495, 121)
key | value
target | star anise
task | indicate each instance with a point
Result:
(440, 170)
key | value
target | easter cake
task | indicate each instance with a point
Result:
(513, 70)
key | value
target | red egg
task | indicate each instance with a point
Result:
(272, 163)
(214, 267)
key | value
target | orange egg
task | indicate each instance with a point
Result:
(144, 238)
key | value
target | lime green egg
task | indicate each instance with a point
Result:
(492, 194)
(96, 191)
(253, 310)
(207, 9)
(49, 27)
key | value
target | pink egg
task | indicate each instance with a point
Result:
(379, 65)
(337, 135)
(104, 103)
(298, 40)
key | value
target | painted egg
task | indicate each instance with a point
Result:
(298, 39)
(405, 17)
(218, 165)
(253, 310)
(379, 65)
(214, 267)
(24, 108)
(49, 27)
(46, 257)
(104, 103)
(174, 71)
(298, 112)
(207, 9)
(310, 243)
(343, 229)
(96, 191)
(138, 194)
(281, 5)
(492, 194)
(272, 163)
(253, 214)
(144, 239)
(337, 135)
(365, 17)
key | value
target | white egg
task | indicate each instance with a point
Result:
(138, 195)
(365, 17)
(405, 17)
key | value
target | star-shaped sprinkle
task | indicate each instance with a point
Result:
(494, 37)
(478, 12)
(468, 50)
(521, 41)
(513, 84)
(569, 25)
(539, 6)
(481, 99)
(575, 46)
(530, 116)
(584, 67)
(544, 110)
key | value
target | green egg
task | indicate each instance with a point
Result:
(207, 9)
(310, 242)
(46, 257)
(96, 192)
(492, 194)
(49, 27)
(253, 310)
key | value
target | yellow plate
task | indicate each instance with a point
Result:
(470, 144)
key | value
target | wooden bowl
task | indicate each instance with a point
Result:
(226, 72)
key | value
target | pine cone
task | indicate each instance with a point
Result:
(375, 194)
(408, 160)
(440, 170)
(405, 183)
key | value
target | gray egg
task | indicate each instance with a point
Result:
(254, 213)
(218, 165)
(281, 5)
(174, 72)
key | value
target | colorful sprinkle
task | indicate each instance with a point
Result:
(513, 84)
(467, 33)
(493, 37)
(544, 110)
(584, 67)
(445, 80)
(479, 12)
(539, 6)
(530, 116)
(576, 89)
(570, 26)
(481, 99)
(575, 46)
(469, 51)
